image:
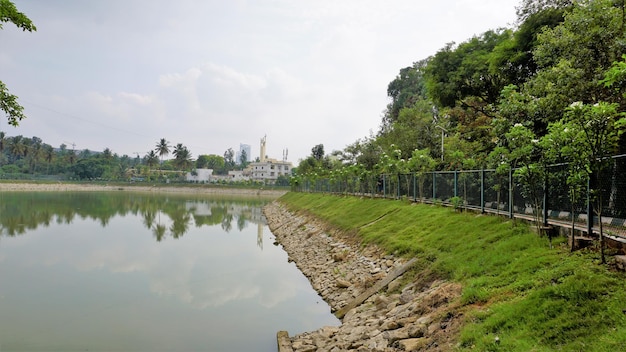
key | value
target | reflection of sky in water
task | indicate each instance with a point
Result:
(83, 286)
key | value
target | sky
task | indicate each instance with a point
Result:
(212, 74)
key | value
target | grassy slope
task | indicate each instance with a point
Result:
(514, 286)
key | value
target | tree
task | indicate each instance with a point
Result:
(457, 73)
(107, 154)
(529, 8)
(8, 102)
(513, 57)
(405, 90)
(392, 164)
(421, 163)
(36, 152)
(182, 157)
(229, 158)
(526, 155)
(596, 129)
(561, 145)
(573, 57)
(215, 162)
(48, 155)
(152, 159)
(17, 147)
(89, 168)
(243, 159)
(162, 148)
(317, 152)
(202, 161)
(412, 129)
(2, 141)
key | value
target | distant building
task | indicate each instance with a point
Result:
(267, 169)
(270, 170)
(199, 175)
(242, 148)
(237, 175)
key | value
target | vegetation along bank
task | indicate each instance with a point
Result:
(479, 282)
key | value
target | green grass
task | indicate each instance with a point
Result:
(515, 287)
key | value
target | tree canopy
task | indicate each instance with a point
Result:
(462, 102)
(8, 102)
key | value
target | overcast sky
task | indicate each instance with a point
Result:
(212, 74)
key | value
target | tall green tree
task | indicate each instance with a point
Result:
(17, 148)
(421, 163)
(152, 159)
(182, 157)
(48, 156)
(8, 102)
(412, 129)
(405, 90)
(229, 158)
(597, 129)
(162, 148)
(243, 159)
(214, 162)
(528, 8)
(573, 58)
(317, 152)
(462, 75)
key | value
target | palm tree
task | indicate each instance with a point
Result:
(2, 145)
(48, 155)
(163, 149)
(71, 157)
(182, 157)
(2, 141)
(36, 152)
(152, 159)
(17, 147)
(107, 154)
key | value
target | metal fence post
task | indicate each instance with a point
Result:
(511, 193)
(384, 187)
(589, 207)
(398, 187)
(545, 201)
(456, 183)
(414, 190)
(482, 191)
(434, 186)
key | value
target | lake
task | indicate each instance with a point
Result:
(121, 271)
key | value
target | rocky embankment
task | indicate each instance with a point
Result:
(410, 314)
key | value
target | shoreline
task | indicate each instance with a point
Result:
(75, 187)
(408, 314)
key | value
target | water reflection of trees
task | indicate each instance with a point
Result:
(164, 215)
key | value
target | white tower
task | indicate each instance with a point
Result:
(262, 156)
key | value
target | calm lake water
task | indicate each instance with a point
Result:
(142, 272)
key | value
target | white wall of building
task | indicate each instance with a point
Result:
(203, 175)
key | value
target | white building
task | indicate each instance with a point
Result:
(268, 170)
(199, 175)
(237, 175)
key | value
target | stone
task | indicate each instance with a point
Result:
(412, 344)
(406, 297)
(395, 335)
(390, 325)
(418, 330)
(394, 285)
(341, 283)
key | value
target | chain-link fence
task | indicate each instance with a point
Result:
(557, 199)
